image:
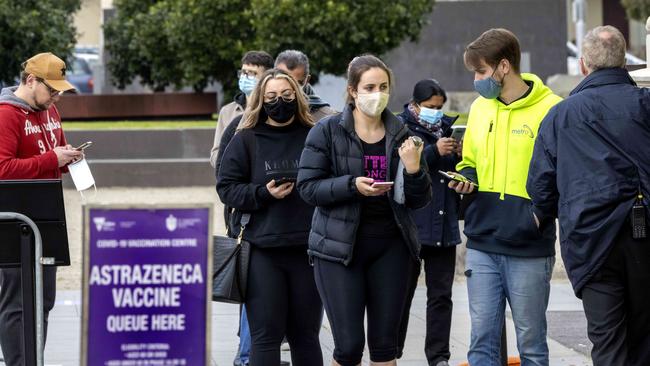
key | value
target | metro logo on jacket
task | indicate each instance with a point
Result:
(497, 149)
(27, 141)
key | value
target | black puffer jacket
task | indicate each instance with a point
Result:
(331, 160)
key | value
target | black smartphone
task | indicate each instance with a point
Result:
(84, 146)
(284, 180)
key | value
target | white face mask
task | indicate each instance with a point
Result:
(81, 175)
(372, 104)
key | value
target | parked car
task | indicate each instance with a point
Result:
(80, 75)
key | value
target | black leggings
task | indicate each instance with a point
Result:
(377, 279)
(282, 300)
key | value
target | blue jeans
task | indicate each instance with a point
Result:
(525, 283)
(244, 350)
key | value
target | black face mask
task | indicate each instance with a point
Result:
(281, 111)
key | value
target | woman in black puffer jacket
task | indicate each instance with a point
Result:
(363, 239)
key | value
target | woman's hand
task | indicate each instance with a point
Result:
(364, 186)
(281, 191)
(446, 146)
(410, 156)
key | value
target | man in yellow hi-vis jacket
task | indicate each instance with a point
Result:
(509, 256)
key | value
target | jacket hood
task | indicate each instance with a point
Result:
(602, 77)
(7, 96)
(315, 102)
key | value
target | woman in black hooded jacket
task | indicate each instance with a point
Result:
(257, 176)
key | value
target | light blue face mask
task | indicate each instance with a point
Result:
(430, 115)
(247, 84)
(489, 88)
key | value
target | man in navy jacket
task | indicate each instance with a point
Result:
(590, 166)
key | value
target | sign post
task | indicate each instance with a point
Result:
(147, 285)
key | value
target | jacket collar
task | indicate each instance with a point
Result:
(615, 75)
(394, 127)
(240, 98)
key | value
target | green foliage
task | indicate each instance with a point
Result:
(194, 42)
(138, 45)
(333, 32)
(637, 9)
(29, 27)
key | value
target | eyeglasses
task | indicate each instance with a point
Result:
(273, 97)
(247, 73)
(53, 92)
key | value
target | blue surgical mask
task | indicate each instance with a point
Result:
(489, 88)
(430, 115)
(247, 84)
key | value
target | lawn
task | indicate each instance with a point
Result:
(129, 125)
(166, 125)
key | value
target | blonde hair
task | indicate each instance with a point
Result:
(255, 104)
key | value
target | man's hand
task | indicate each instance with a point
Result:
(364, 186)
(281, 191)
(461, 187)
(67, 154)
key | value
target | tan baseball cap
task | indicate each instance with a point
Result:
(49, 68)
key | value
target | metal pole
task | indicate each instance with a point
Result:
(38, 278)
(579, 7)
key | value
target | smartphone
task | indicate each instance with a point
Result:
(284, 180)
(382, 184)
(456, 177)
(84, 146)
(457, 132)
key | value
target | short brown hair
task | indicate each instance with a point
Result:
(358, 66)
(258, 58)
(493, 46)
(23, 77)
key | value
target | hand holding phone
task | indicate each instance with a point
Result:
(457, 177)
(381, 184)
(84, 146)
(458, 132)
(284, 180)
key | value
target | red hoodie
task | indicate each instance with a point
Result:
(27, 140)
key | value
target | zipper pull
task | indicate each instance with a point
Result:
(491, 122)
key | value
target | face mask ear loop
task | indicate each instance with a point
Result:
(95, 196)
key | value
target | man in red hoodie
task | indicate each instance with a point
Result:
(32, 146)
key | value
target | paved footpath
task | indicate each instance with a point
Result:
(64, 333)
(567, 327)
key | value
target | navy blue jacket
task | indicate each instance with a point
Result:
(591, 156)
(437, 222)
(331, 160)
